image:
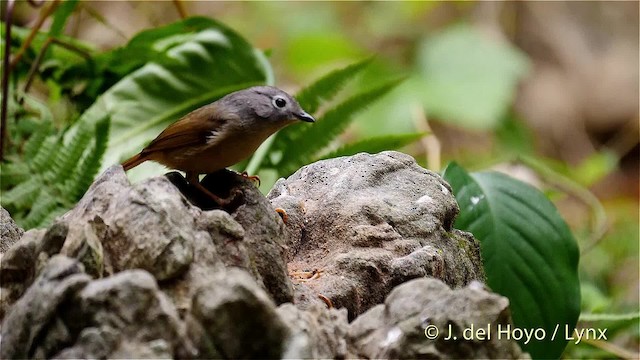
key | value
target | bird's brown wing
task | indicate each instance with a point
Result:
(196, 128)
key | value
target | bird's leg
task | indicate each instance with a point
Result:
(255, 178)
(192, 178)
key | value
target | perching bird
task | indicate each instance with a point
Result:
(222, 133)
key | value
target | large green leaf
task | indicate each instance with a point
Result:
(306, 51)
(469, 79)
(208, 62)
(529, 253)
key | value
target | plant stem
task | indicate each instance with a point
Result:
(43, 16)
(5, 79)
(38, 60)
(180, 7)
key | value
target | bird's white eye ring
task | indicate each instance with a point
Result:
(279, 102)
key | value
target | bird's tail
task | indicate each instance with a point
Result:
(133, 162)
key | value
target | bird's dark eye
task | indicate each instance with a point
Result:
(279, 102)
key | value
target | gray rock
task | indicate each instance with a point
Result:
(32, 327)
(151, 225)
(97, 342)
(148, 225)
(54, 239)
(317, 333)
(176, 280)
(218, 243)
(265, 241)
(84, 244)
(25, 259)
(19, 262)
(124, 315)
(232, 317)
(264, 234)
(367, 223)
(10, 232)
(398, 328)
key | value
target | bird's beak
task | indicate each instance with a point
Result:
(305, 117)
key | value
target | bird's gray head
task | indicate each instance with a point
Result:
(269, 103)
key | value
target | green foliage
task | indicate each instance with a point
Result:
(171, 49)
(52, 175)
(306, 51)
(529, 254)
(327, 87)
(149, 83)
(308, 143)
(77, 184)
(125, 96)
(152, 83)
(468, 79)
(513, 136)
(61, 16)
(301, 144)
(202, 60)
(57, 59)
(161, 86)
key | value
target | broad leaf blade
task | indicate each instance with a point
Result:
(207, 64)
(529, 253)
(469, 79)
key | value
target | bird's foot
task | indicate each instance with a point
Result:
(219, 200)
(254, 178)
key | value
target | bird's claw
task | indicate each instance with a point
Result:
(254, 178)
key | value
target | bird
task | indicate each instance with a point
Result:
(221, 134)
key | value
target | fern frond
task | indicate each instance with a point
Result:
(319, 92)
(314, 138)
(36, 140)
(23, 194)
(39, 109)
(375, 144)
(13, 173)
(84, 173)
(69, 155)
(44, 205)
(53, 214)
(46, 153)
(325, 88)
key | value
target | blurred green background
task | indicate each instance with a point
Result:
(544, 91)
